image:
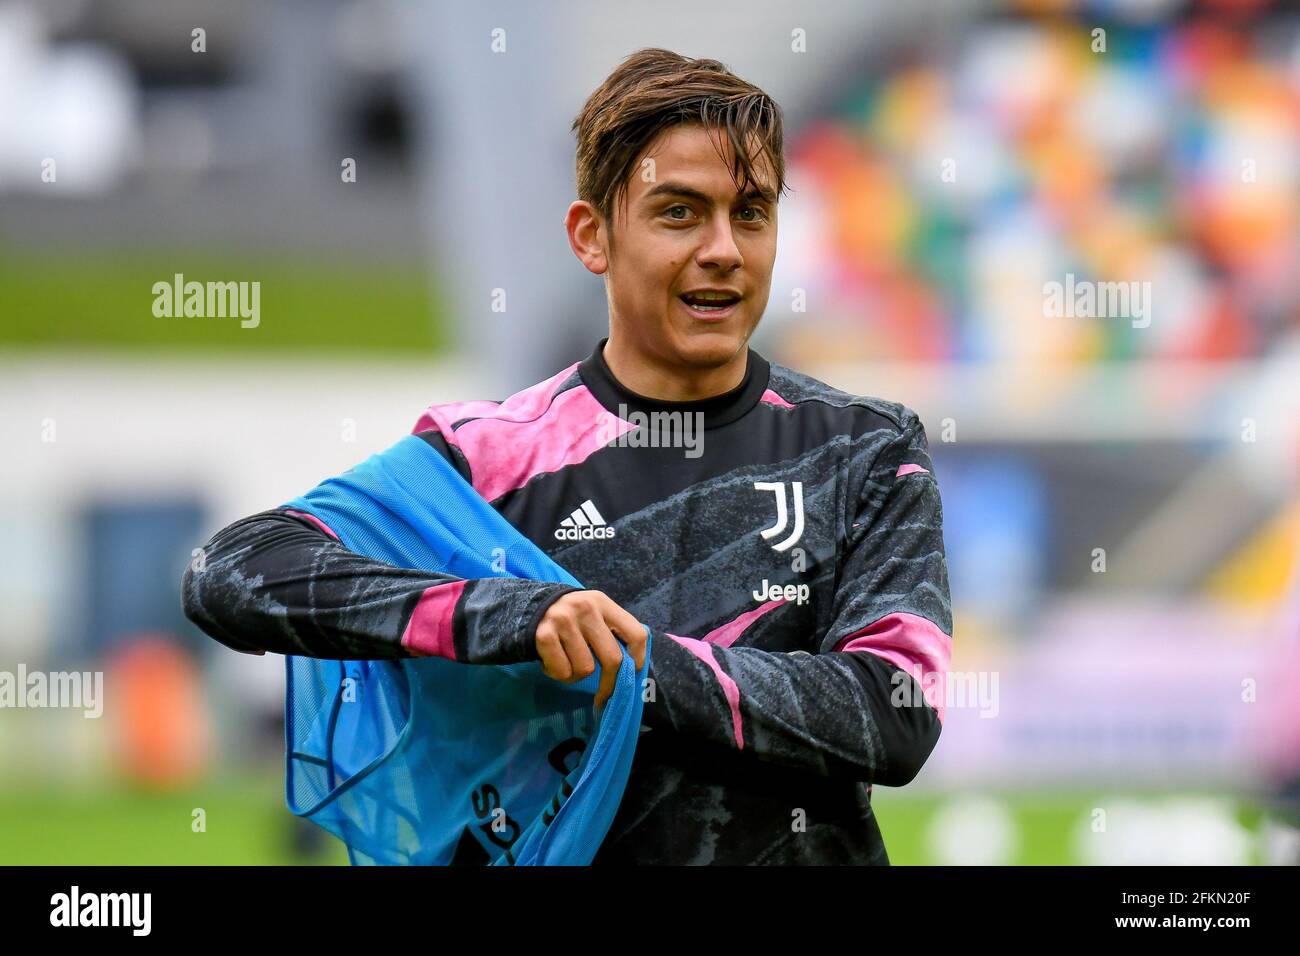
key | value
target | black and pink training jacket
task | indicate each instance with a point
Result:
(783, 541)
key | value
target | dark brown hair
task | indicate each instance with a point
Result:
(654, 89)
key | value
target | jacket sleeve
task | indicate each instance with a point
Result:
(865, 707)
(281, 581)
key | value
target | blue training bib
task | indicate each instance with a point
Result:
(426, 760)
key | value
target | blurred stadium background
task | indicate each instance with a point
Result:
(946, 163)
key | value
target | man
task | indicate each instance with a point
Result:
(782, 539)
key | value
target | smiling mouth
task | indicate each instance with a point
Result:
(709, 306)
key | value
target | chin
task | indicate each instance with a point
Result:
(710, 347)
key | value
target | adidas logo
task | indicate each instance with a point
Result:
(583, 525)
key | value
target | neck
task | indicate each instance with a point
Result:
(642, 373)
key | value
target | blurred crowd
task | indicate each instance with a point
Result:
(952, 184)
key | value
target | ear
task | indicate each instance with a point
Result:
(587, 236)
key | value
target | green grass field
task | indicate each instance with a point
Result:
(311, 307)
(247, 823)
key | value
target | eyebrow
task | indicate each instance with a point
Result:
(688, 192)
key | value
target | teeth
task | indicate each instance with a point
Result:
(717, 301)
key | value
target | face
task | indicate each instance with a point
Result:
(685, 228)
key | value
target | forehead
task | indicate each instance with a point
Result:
(698, 157)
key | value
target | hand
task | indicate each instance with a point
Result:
(582, 623)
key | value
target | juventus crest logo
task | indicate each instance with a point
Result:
(782, 512)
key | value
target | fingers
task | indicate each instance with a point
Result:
(593, 636)
(555, 663)
(630, 631)
(583, 628)
(610, 655)
(574, 642)
(555, 639)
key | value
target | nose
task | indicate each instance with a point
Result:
(719, 249)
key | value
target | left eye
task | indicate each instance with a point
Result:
(754, 209)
